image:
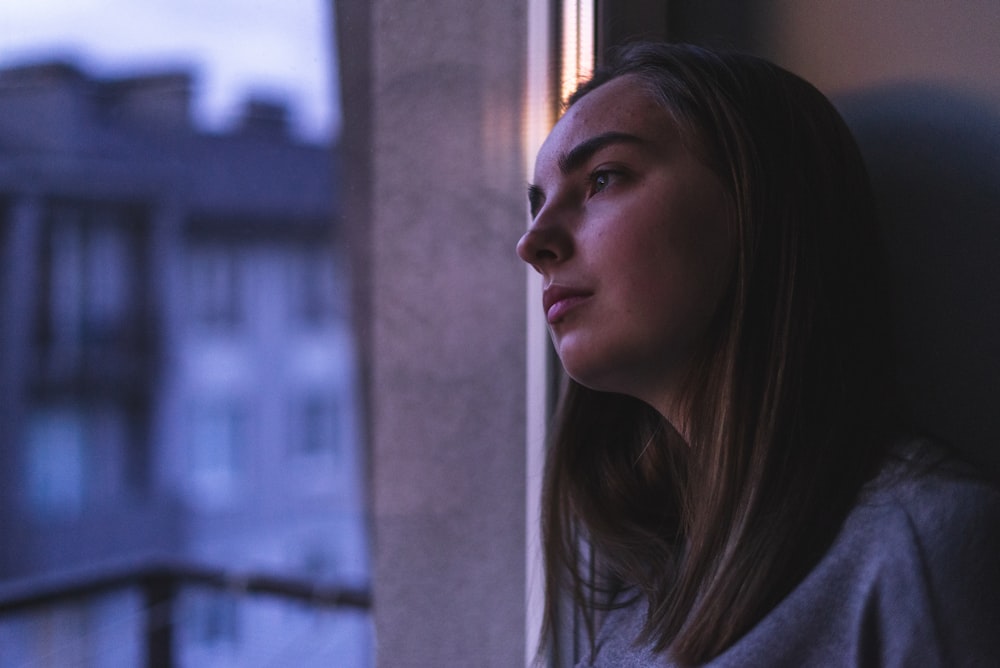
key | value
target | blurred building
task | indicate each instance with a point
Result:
(176, 367)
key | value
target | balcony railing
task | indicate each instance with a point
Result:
(159, 586)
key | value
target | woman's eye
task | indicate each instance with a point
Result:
(600, 181)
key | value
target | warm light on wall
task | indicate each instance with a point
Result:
(552, 66)
(577, 45)
(539, 115)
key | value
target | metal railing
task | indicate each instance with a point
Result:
(160, 584)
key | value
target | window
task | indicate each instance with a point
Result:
(214, 284)
(81, 456)
(58, 446)
(212, 618)
(318, 425)
(315, 290)
(217, 445)
(91, 281)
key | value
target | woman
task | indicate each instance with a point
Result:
(725, 484)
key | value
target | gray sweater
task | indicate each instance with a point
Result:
(913, 579)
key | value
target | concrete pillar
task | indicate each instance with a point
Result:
(434, 184)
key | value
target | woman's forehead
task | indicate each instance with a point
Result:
(622, 105)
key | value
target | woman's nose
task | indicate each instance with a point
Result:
(544, 245)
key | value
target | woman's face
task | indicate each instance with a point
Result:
(631, 235)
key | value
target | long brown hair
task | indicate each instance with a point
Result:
(788, 404)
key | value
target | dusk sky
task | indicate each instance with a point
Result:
(280, 47)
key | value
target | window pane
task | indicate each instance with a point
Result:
(216, 443)
(175, 357)
(213, 282)
(56, 449)
(319, 420)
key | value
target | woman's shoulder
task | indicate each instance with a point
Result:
(928, 509)
(932, 495)
(911, 579)
(923, 541)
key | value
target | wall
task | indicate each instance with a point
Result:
(852, 44)
(918, 82)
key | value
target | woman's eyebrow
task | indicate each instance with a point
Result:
(579, 154)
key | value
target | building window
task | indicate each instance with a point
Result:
(4, 231)
(214, 286)
(317, 420)
(108, 262)
(314, 285)
(217, 447)
(319, 561)
(91, 284)
(211, 618)
(57, 451)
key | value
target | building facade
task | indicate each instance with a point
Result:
(177, 367)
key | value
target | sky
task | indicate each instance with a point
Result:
(234, 47)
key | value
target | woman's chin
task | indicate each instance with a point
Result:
(596, 378)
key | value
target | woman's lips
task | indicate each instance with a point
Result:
(558, 300)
